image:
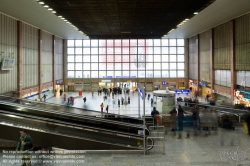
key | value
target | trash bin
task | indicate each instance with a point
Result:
(80, 92)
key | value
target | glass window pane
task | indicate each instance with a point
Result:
(118, 42)
(141, 74)
(149, 42)
(180, 42)
(70, 43)
(110, 50)
(172, 42)
(94, 50)
(71, 74)
(149, 74)
(102, 66)
(94, 43)
(133, 74)
(110, 58)
(86, 58)
(181, 65)
(71, 58)
(164, 66)
(157, 58)
(150, 58)
(102, 50)
(180, 58)
(180, 50)
(141, 42)
(118, 66)
(157, 74)
(94, 58)
(71, 66)
(86, 43)
(86, 50)
(164, 58)
(164, 50)
(149, 50)
(157, 50)
(157, 42)
(102, 74)
(164, 42)
(133, 65)
(165, 73)
(78, 66)
(125, 58)
(94, 66)
(94, 74)
(172, 50)
(118, 74)
(86, 66)
(102, 58)
(110, 73)
(110, 43)
(86, 74)
(181, 73)
(78, 51)
(125, 50)
(172, 74)
(71, 51)
(125, 73)
(172, 65)
(78, 43)
(118, 50)
(141, 66)
(78, 74)
(110, 66)
(157, 66)
(78, 58)
(125, 66)
(149, 66)
(102, 43)
(172, 58)
(125, 42)
(118, 58)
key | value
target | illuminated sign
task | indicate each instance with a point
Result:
(164, 83)
(182, 91)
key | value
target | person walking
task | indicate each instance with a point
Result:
(119, 103)
(122, 99)
(107, 108)
(196, 117)
(44, 97)
(102, 106)
(173, 118)
(25, 143)
(180, 117)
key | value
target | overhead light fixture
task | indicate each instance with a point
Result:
(59, 16)
(50, 9)
(186, 19)
(53, 11)
(195, 12)
(46, 6)
(63, 18)
(41, 3)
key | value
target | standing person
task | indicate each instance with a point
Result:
(152, 101)
(180, 117)
(196, 117)
(128, 100)
(247, 119)
(84, 99)
(153, 114)
(102, 106)
(118, 103)
(25, 143)
(148, 97)
(122, 100)
(107, 108)
(61, 91)
(44, 97)
(173, 118)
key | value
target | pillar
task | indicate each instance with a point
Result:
(40, 64)
(19, 59)
(232, 59)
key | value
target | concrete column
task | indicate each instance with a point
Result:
(212, 79)
(187, 61)
(64, 50)
(19, 59)
(40, 75)
(53, 64)
(232, 59)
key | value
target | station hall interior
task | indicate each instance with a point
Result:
(108, 75)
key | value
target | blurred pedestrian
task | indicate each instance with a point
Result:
(173, 118)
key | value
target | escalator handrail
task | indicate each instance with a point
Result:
(73, 115)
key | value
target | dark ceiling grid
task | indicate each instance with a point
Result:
(116, 19)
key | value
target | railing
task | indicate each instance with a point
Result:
(158, 135)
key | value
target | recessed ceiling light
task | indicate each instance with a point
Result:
(59, 16)
(186, 19)
(41, 3)
(63, 18)
(195, 12)
(50, 9)
(53, 11)
(46, 6)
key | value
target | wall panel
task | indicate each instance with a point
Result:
(47, 57)
(58, 58)
(193, 61)
(204, 48)
(242, 43)
(8, 48)
(222, 46)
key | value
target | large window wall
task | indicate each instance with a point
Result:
(124, 58)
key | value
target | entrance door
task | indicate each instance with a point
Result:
(71, 88)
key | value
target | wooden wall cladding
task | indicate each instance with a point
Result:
(242, 43)
(222, 47)
(204, 59)
(193, 60)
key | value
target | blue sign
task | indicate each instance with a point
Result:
(118, 76)
(164, 82)
(141, 93)
(202, 84)
(182, 91)
(133, 76)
